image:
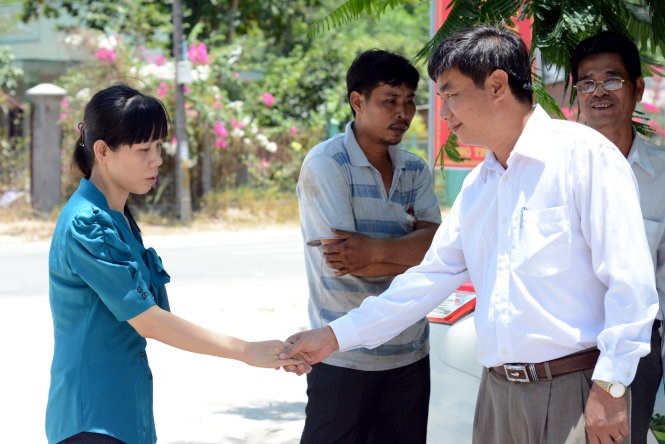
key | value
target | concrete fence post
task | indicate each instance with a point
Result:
(45, 161)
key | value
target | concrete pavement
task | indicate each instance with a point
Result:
(249, 284)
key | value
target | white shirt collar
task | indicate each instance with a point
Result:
(639, 155)
(523, 147)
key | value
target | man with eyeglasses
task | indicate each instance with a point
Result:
(607, 74)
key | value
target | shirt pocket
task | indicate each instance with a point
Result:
(544, 245)
(654, 231)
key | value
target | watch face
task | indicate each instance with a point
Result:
(617, 390)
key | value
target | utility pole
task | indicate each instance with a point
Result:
(182, 76)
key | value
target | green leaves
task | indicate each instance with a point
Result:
(544, 99)
(466, 13)
(558, 27)
(351, 11)
(9, 73)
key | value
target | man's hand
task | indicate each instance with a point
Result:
(606, 417)
(352, 252)
(313, 345)
(265, 354)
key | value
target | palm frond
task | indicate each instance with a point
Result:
(351, 11)
(449, 150)
(466, 13)
(646, 23)
(544, 99)
(641, 124)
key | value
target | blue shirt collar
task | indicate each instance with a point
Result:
(88, 190)
(357, 155)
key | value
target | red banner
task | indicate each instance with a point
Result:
(473, 154)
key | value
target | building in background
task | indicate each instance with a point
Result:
(41, 50)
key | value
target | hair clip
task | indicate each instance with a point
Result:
(81, 135)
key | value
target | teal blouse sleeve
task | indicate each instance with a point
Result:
(98, 255)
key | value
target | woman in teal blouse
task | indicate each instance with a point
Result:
(107, 290)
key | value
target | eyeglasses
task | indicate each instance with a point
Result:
(589, 86)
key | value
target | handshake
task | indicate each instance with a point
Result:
(295, 355)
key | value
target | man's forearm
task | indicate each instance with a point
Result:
(381, 269)
(409, 249)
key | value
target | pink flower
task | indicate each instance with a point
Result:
(649, 108)
(263, 165)
(236, 75)
(64, 104)
(236, 124)
(268, 99)
(220, 130)
(198, 53)
(221, 143)
(656, 127)
(570, 113)
(187, 89)
(163, 89)
(105, 55)
(293, 130)
(159, 60)
(63, 116)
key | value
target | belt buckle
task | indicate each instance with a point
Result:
(516, 372)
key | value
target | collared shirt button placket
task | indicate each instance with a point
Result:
(504, 250)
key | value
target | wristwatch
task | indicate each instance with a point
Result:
(615, 389)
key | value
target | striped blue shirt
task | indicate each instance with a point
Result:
(339, 188)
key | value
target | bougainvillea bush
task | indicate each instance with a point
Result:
(250, 116)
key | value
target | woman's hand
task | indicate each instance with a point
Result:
(265, 354)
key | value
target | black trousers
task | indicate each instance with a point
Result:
(367, 407)
(645, 388)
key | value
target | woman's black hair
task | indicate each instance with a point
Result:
(118, 115)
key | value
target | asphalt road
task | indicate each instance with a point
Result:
(250, 284)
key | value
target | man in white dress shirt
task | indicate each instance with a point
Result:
(607, 74)
(549, 230)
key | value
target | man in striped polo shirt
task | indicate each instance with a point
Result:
(368, 212)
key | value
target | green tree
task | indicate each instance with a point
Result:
(10, 75)
(13, 156)
(262, 95)
(558, 26)
(149, 21)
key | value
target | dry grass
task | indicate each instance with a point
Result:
(19, 223)
(231, 210)
(228, 210)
